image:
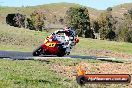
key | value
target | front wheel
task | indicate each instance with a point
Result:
(37, 51)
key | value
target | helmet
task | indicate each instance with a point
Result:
(66, 28)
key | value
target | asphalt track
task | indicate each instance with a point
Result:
(28, 55)
(16, 55)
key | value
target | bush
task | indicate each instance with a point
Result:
(107, 25)
(128, 36)
(95, 26)
(111, 35)
(89, 34)
(103, 33)
(121, 32)
(37, 19)
(16, 20)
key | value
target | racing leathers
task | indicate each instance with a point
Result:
(69, 39)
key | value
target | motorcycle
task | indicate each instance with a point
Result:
(55, 44)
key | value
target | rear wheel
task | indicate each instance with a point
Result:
(61, 53)
(37, 51)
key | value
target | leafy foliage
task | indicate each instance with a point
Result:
(128, 36)
(96, 26)
(103, 33)
(106, 24)
(78, 18)
(16, 20)
(125, 28)
(37, 19)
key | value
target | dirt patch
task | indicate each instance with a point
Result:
(68, 71)
(94, 68)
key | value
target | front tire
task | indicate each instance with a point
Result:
(37, 51)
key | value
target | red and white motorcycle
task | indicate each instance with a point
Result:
(58, 43)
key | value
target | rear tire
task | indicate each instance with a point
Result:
(61, 53)
(37, 51)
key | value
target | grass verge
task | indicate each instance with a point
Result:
(42, 74)
(28, 74)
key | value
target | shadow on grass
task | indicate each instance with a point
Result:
(37, 80)
(115, 61)
(33, 81)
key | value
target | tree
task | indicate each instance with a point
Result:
(111, 35)
(30, 24)
(37, 19)
(128, 36)
(128, 19)
(78, 18)
(125, 28)
(103, 33)
(16, 20)
(109, 9)
(95, 26)
(107, 25)
(121, 31)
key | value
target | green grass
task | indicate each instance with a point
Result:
(28, 74)
(20, 39)
(94, 44)
(35, 74)
(74, 62)
(39, 74)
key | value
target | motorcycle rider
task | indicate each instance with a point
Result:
(58, 44)
(69, 34)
